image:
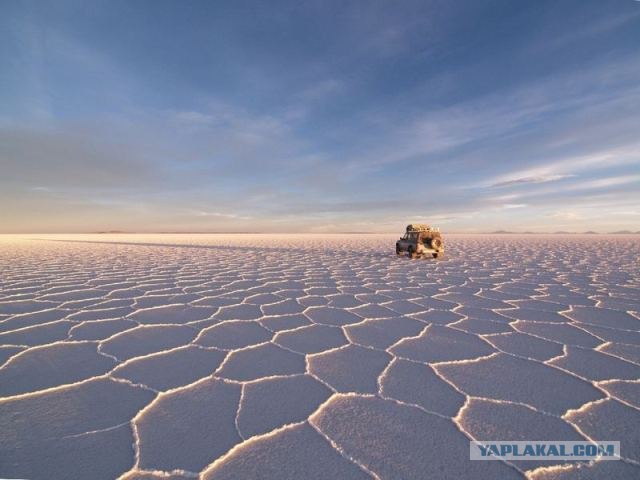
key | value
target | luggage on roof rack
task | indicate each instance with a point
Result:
(420, 227)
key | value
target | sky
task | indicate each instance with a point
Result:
(319, 116)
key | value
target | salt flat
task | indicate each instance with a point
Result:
(313, 356)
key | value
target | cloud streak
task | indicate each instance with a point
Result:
(530, 180)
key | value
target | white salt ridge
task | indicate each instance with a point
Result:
(366, 429)
(481, 327)
(282, 308)
(534, 315)
(262, 360)
(45, 423)
(156, 475)
(525, 345)
(343, 300)
(311, 339)
(233, 334)
(262, 299)
(559, 332)
(404, 307)
(216, 302)
(146, 339)
(284, 322)
(100, 314)
(297, 451)
(493, 421)
(8, 307)
(313, 301)
(539, 304)
(268, 404)
(439, 317)
(332, 316)
(594, 365)
(23, 320)
(48, 366)
(179, 314)
(373, 311)
(613, 335)
(383, 333)
(170, 369)
(482, 314)
(472, 300)
(99, 329)
(604, 317)
(610, 420)
(8, 351)
(38, 334)
(239, 312)
(349, 369)
(188, 428)
(591, 471)
(504, 377)
(630, 353)
(627, 391)
(441, 344)
(418, 384)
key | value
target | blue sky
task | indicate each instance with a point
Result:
(319, 116)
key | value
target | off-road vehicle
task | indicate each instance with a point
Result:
(421, 241)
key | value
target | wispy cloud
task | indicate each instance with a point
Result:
(604, 183)
(514, 205)
(529, 180)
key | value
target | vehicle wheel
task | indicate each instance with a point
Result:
(411, 253)
(437, 255)
(398, 250)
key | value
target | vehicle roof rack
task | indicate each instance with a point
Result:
(420, 227)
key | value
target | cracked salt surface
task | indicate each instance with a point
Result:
(273, 356)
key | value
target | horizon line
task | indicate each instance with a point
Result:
(494, 232)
